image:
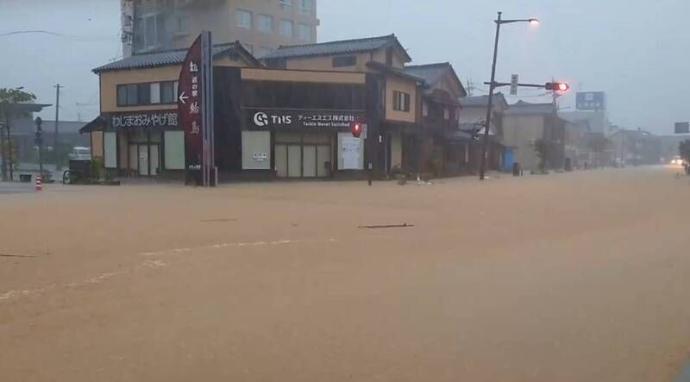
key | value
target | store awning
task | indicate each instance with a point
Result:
(98, 124)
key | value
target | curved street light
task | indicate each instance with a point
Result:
(492, 85)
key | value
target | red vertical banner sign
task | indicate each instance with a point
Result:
(190, 103)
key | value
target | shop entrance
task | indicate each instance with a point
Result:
(303, 155)
(144, 160)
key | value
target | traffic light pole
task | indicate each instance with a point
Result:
(492, 85)
(489, 109)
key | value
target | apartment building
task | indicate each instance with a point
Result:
(261, 26)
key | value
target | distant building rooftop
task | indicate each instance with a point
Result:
(433, 73)
(174, 57)
(337, 47)
(483, 101)
(526, 108)
(27, 125)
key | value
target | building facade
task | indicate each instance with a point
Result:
(393, 95)
(473, 120)
(138, 132)
(636, 147)
(261, 26)
(524, 124)
(289, 115)
(444, 149)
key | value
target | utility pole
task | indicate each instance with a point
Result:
(2, 151)
(10, 161)
(39, 143)
(56, 140)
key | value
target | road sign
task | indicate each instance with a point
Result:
(682, 127)
(514, 80)
(591, 101)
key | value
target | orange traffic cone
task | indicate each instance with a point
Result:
(39, 183)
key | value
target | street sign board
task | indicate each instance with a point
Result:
(300, 119)
(591, 101)
(189, 105)
(514, 80)
(195, 108)
(682, 128)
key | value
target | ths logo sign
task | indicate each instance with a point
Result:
(261, 119)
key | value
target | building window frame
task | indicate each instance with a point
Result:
(401, 101)
(244, 19)
(306, 7)
(283, 31)
(264, 23)
(286, 5)
(304, 32)
(142, 93)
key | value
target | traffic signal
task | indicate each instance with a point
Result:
(357, 129)
(557, 86)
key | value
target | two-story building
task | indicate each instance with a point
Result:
(393, 98)
(444, 148)
(290, 118)
(473, 120)
(138, 131)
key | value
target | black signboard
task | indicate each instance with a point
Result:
(163, 119)
(301, 119)
(682, 127)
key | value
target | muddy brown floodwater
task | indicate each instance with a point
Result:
(566, 277)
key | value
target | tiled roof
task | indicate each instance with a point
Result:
(336, 47)
(392, 70)
(433, 73)
(172, 57)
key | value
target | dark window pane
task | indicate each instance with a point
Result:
(167, 92)
(344, 61)
(144, 91)
(132, 98)
(121, 95)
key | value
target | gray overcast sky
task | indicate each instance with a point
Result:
(637, 51)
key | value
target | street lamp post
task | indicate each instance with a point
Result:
(485, 144)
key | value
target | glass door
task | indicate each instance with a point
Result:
(143, 160)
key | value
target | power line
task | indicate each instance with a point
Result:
(57, 34)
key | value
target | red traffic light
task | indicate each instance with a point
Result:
(557, 86)
(357, 129)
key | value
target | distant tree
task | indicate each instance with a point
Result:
(12, 96)
(9, 97)
(542, 148)
(684, 151)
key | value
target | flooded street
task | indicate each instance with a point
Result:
(564, 277)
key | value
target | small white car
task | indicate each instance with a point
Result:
(80, 153)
